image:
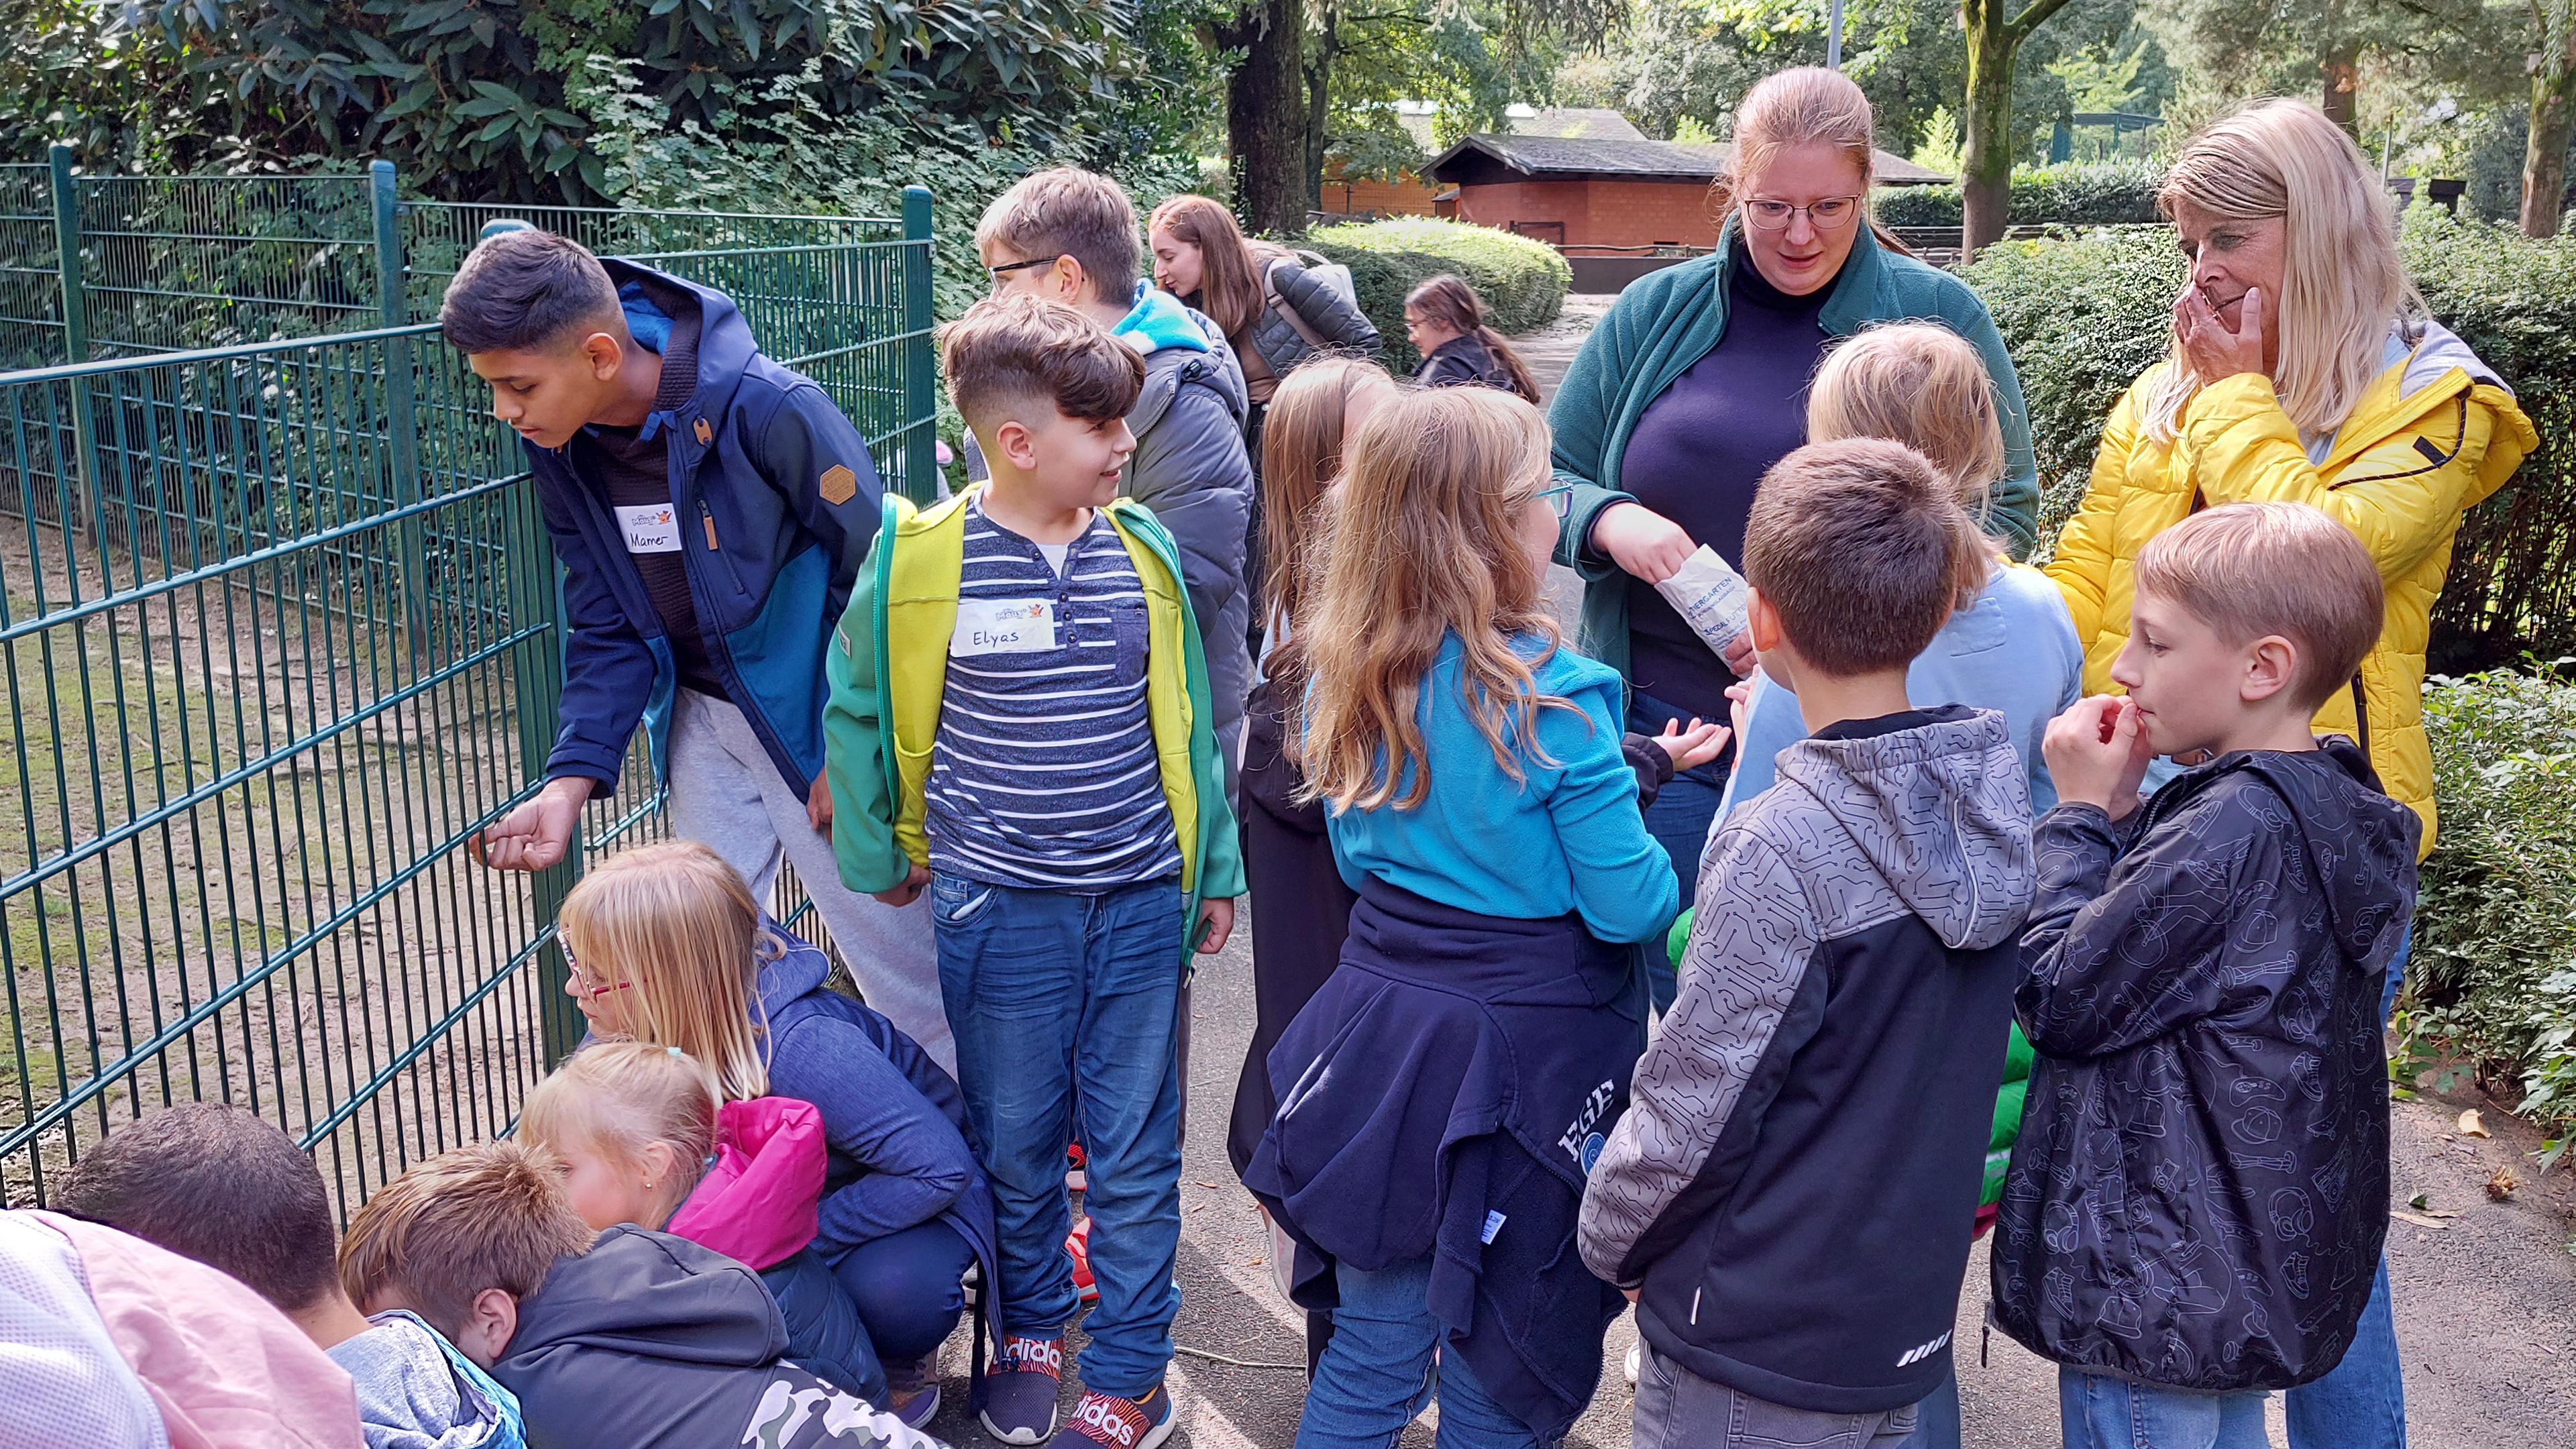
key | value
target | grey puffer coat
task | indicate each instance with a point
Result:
(1341, 325)
(2200, 1189)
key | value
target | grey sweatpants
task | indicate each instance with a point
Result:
(1677, 1409)
(726, 795)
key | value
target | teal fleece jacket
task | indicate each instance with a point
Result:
(1668, 320)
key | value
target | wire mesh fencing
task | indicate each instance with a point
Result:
(281, 630)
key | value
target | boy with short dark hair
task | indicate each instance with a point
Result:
(226, 1187)
(2196, 1204)
(1789, 1196)
(1070, 236)
(630, 1341)
(1020, 721)
(710, 508)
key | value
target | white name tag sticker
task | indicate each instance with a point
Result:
(1002, 626)
(649, 527)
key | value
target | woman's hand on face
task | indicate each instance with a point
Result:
(1641, 541)
(2215, 351)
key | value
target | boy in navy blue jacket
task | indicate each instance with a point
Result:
(711, 509)
(1789, 1197)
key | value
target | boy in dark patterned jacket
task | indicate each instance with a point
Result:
(2197, 1200)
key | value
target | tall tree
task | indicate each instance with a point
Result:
(1265, 113)
(2553, 117)
(1996, 30)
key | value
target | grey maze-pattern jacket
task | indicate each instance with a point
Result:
(2200, 1189)
(1793, 1185)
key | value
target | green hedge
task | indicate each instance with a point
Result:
(1523, 282)
(2084, 316)
(2088, 194)
(2492, 978)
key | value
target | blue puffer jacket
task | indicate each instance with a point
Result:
(778, 501)
(2200, 1189)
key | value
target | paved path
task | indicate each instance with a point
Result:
(2486, 1299)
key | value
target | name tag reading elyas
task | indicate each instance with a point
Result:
(1002, 626)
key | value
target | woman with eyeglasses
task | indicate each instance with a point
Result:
(1695, 383)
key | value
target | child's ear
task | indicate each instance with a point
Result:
(1761, 621)
(489, 1326)
(602, 354)
(2269, 664)
(1072, 283)
(659, 1163)
(1017, 442)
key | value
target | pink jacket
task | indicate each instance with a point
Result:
(224, 1367)
(756, 1204)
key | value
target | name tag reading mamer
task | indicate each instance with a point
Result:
(649, 527)
(1002, 626)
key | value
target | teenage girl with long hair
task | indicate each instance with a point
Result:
(1445, 320)
(1438, 1094)
(668, 948)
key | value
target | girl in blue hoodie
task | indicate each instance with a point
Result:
(1442, 1095)
(667, 946)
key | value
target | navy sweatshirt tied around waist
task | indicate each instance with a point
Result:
(1444, 1094)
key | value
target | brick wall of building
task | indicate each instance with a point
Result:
(1598, 213)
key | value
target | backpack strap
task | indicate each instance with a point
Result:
(1287, 310)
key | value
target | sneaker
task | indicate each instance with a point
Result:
(1020, 1390)
(1078, 1243)
(1636, 1361)
(1076, 1178)
(912, 1391)
(1106, 1421)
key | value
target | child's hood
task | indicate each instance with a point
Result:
(756, 1203)
(653, 300)
(1939, 804)
(648, 1296)
(1160, 320)
(2358, 841)
(416, 1392)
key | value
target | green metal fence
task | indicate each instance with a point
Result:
(281, 629)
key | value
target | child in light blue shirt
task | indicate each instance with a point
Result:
(2012, 648)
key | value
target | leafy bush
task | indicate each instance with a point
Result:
(2083, 316)
(2076, 193)
(2493, 974)
(1523, 282)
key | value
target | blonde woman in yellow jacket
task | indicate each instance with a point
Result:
(2303, 370)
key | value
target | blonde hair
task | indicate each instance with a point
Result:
(483, 1216)
(2251, 569)
(1302, 444)
(1425, 543)
(1922, 385)
(619, 1098)
(1803, 105)
(2343, 284)
(677, 926)
(1863, 550)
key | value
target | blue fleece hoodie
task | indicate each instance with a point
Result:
(2014, 653)
(778, 500)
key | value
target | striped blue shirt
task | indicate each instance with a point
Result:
(1043, 773)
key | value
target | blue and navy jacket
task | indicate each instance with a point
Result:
(778, 501)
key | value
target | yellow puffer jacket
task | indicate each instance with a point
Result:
(2436, 433)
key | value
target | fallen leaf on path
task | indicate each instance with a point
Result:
(2417, 1219)
(2501, 1186)
(2420, 1201)
(2472, 1125)
(1203, 1184)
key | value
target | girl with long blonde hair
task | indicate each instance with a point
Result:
(1478, 799)
(668, 950)
(2303, 369)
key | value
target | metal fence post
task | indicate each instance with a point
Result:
(80, 501)
(920, 377)
(536, 667)
(402, 425)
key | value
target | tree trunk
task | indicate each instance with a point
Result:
(2342, 67)
(2553, 117)
(1265, 115)
(1319, 86)
(1985, 161)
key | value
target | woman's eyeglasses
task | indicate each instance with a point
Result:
(1831, 214)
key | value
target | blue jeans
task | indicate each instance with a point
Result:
(1378, 1374)
(2361, 1402)
(1679, 820)
(2098, 1411)
(1065, 1008)
(909, 1288)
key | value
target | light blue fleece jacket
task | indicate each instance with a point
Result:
(1159, 320)
(2014, 652)
(1566, 837)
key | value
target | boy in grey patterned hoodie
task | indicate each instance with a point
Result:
(1788, 1199)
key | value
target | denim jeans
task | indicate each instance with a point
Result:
(1677, 1409)
(909, 1288)
(2361, 1402)
(1378, 1372)
(1936, 1424)
(2098, 1411)
(1679, 820)
(1066, 1004)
